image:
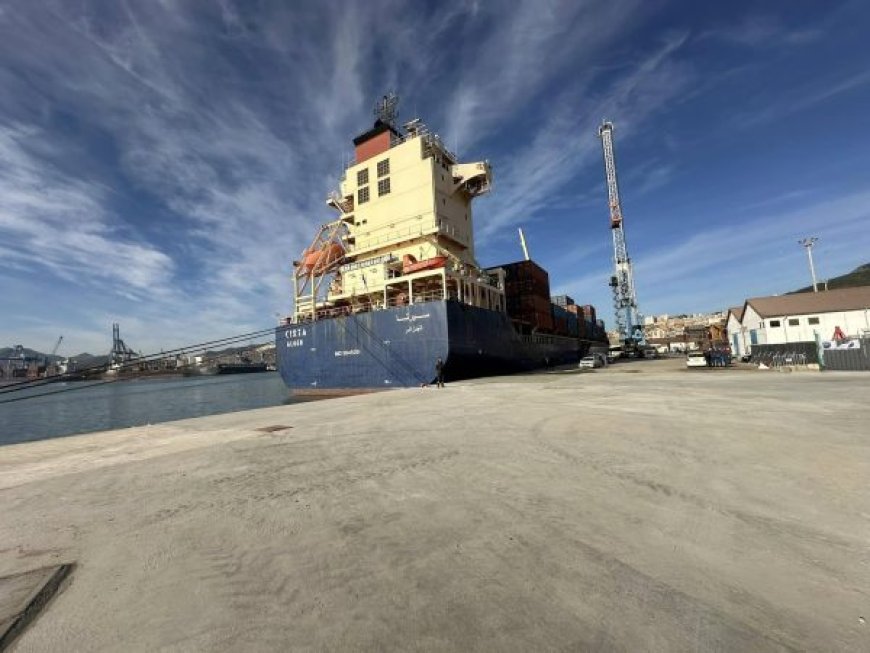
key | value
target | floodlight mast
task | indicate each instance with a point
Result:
(808, 244)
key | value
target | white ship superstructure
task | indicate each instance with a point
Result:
(404, 233)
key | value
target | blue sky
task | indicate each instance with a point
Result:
(162, 162)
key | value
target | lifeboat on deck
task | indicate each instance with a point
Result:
(411, 264)
(321, 259)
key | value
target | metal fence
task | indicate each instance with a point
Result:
(853, 360)
(796, 354)
(791, 354)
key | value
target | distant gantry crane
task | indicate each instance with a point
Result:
(628, 319)
(120, 353)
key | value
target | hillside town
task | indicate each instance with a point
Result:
(679, 334)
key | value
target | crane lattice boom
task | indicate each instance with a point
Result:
(628, 321)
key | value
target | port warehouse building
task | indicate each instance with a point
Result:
(799, 318)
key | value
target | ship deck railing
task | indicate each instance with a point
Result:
(368, 307)
(368, 242)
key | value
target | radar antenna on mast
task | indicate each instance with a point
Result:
(387, 109)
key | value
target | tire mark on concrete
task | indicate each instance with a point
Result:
(701, 622)
(782, 526)
(269, 488)
(789, 533)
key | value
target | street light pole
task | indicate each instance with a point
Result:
(808, 243)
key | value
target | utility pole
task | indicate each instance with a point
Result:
(808, 243)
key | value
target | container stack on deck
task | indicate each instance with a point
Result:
(560, 320)
(579, 321)
(573, 325)
(583, 329)
(527, 294)
(559, 306)
(565, 316)
(562, 300)
(528, 301)
(587, 321)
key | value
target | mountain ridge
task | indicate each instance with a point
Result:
(860, 276)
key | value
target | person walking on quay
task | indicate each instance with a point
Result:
(439, 373)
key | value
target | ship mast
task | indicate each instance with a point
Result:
(387, 109)
(628, 322)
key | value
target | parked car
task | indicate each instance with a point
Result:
(591, 362)
(696, 359)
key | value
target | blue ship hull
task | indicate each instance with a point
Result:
(398, 347)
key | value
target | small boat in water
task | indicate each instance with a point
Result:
(241, 368)
(226, 368)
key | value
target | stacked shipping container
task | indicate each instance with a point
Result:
(573, 325)
(527, 294)
(586, 321)
(560, 320)
(527, 300)
(566, 318)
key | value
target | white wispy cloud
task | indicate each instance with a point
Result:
(647, 176)
(566, 140)
(761, 255)
(527, 48)
(762, 31)
(49, 220)
(219, 168)
(807, 96)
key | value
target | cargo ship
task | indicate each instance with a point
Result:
(392, 283)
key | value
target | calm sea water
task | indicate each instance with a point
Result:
(83, 407)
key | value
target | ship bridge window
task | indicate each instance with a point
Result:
(362, 177)
(383, 168)
(362, 195)
(383, 186)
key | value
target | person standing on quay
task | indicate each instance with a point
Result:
(439, 373)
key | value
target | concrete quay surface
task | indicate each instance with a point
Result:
(638, 508)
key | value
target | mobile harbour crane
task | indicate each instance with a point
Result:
(629, 323)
